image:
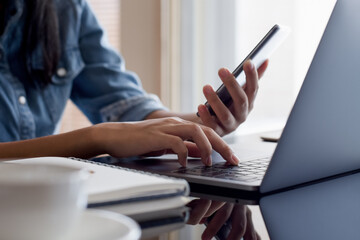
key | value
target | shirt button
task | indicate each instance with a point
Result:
(22, 100)
(61, 72)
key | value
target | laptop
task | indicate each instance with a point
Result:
(321, 136)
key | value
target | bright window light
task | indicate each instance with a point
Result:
(222, 33)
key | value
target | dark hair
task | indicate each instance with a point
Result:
(42, 29)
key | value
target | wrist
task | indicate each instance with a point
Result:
(94, 141)
(193, 117)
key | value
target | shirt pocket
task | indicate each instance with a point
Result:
(69, 66)
(57, 93)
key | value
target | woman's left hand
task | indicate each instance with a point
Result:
(228, 119)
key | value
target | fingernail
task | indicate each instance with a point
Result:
(201, 108)
(223, 73)
(251, 65)
(183, 163)
(235, 159)
(208, 90)
(209, 161)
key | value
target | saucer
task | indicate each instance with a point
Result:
(105, 225)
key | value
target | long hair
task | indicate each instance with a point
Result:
(42, 29)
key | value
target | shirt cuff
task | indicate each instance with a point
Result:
(132, 109)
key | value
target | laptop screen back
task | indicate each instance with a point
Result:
(322, 135)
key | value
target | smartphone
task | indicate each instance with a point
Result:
(262, 51)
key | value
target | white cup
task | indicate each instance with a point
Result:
(40, 201)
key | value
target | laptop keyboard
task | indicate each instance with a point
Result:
(248, 171)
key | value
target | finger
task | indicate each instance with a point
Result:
(207, 119)
(261, 70)
(193, 150)
(220, 146)
(217, 221)
(191, 131)
(204, 137)
(239, 223)
(251, 86)
(250, 232)
(177, 145)
(222, 112)
(198, 209)
(215, 205)
(240, 99)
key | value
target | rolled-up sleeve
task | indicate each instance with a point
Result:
(104, 90)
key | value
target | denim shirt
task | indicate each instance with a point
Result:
(89, 73)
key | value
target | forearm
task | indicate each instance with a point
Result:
(80, 143)
(186, 116)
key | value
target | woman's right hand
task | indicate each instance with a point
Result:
(161, 135)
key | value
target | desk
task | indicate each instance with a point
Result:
(327, 210)
(203, 208)
(323, 210)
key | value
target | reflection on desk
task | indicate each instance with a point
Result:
(326, 210)
(223, 220)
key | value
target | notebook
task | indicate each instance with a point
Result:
(321, 136)
(126, 191)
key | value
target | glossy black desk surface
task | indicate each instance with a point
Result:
(327, 210)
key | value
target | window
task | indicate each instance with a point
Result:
(221, 33)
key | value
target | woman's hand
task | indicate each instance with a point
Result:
(228, 119)
(165, 135)
(149, 136)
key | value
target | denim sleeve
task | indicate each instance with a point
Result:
(104, 90)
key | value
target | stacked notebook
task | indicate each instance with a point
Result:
(148, 198)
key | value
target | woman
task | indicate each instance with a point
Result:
(53, 50)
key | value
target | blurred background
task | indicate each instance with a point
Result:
(177, 46)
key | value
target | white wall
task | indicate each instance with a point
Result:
(208, 43)
(221, 33)
(288, 66)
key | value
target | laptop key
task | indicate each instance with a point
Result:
(248, 171)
